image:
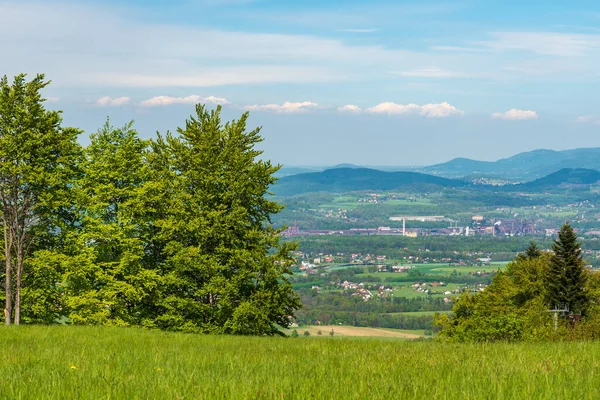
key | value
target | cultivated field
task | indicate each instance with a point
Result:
(357, 331)
(119, 363)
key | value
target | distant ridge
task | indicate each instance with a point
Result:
(346, 165)
(523, 166)
(339, 180)
(356, 179)
(565, 176)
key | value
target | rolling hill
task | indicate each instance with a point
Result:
(523, 166)
(339, 180)
(564, 177)
(355, 179)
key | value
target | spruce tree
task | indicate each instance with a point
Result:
(531, 252)
(566, 275)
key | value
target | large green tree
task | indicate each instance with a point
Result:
(224, 268)
(109, 283)
(37, 160)
(566, 276)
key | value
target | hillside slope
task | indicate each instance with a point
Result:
(528, 165)
(564, 177)
(353, 179)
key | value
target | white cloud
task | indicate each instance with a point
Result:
(546, 43)
(285, 108)
(52, 99)
(112, 102)
(440, 110)
(587, 119)
(514, 114)
(584, 119)
(350, 108)
(432, 73)
(428, 110)
(193, 99)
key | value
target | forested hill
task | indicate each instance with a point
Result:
(352, 179)
(566, 176)
(339, 180)
(529, 165)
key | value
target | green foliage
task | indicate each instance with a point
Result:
(532, 251)
(38, 159)
(566, 275)
(515, 306)
(173, 233)
(224, 269)
(512, 308)
(112, 284)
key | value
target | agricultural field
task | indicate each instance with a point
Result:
(356, 331)
(122, 363)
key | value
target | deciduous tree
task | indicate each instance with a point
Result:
(37, 156)
(225, 268)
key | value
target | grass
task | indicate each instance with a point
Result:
(119, 363)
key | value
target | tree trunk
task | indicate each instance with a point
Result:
(8, 305)
(17, 319)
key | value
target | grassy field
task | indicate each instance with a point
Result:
(118, 363)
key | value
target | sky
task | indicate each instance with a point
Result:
(382, 83)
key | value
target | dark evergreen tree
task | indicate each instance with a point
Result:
(566, 275)
(531, 252)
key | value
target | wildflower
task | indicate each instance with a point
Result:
(73, 367)
(158, 369)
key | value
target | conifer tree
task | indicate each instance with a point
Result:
(531, 252)
(566, 275)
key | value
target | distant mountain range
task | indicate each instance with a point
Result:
(562, 178)
(526, 166)
(339, 180)
(523, 166)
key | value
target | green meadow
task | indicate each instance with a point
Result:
(125, 363)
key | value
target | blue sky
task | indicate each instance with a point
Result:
(365, 82)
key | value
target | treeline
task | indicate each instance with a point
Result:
(343, 308)
(340, 301)
(370, 244)
(172, 232)
(358, 275)
(372, 320)
(438, 246)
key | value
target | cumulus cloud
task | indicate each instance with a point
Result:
(285, 108)
(514, 114)
(193, 99)
(112, 102)
(428, 110)
(349, 108)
